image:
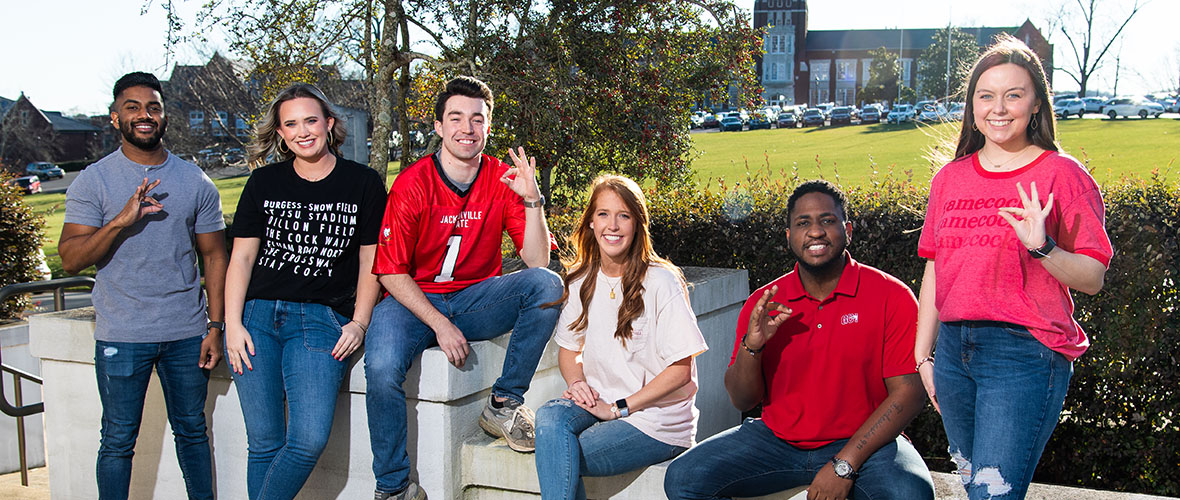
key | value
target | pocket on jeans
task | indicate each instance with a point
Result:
(321, 329)
(1017, 330)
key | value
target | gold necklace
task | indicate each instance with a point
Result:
(612, 285)
(1000, 166)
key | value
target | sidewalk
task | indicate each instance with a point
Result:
(38, 488)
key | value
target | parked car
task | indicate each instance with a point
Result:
(787, 119)
(758, 119)
(955, 113)
(731, 123)
(1131, 106)
(29, 184)
(813, 116)
(1173, 105)
(900, 113)
(1066, 107)
(826, 109)
(711, 121)
(45, 170)
(931, 111)
(870, 114)
(1093, 104)
(841, 115)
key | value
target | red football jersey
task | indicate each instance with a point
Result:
(445, 239)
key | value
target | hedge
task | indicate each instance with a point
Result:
(20, 240)
(1119, 429)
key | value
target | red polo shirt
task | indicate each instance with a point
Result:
(825, 368)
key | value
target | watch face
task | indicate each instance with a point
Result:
(843, 469)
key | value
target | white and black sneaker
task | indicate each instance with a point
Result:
(412, 492)
(513, 421)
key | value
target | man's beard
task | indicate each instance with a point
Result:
(146, 143)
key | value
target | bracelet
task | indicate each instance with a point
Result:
(927, 359)
(750, 350)
(364, 329)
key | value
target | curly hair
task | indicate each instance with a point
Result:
(587, 257)
(265, 144)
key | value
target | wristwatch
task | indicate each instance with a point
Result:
(621, 405)
(1044, 250)
(220, 325)
(535, 204)
(843, 468)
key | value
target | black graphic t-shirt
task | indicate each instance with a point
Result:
(311, 232)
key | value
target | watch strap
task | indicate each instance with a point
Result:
(1043, 251)
(535, 204)
(220, 325)
(622, 406)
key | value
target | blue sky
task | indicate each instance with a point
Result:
(66, 54)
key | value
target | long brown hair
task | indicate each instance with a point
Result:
(587, 258)
(266, 132)
(1005, 50)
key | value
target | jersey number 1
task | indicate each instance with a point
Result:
(448, 266)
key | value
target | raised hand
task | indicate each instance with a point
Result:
(1030, 227)
(139, 205)
(762, 325)
(522, 177)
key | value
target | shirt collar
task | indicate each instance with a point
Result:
(849, 281)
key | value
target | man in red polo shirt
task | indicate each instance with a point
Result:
(827, 350)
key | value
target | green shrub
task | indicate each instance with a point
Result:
(20, 242)
(1119, 430)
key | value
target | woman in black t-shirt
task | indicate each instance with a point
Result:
(299, 289)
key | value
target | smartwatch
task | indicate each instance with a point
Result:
(622, 406)
(220, 325)
(1043, 251)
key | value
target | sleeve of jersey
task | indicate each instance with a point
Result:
(248, 220)
(1083, 227)
(926, 248)
(372, 208)
(901, 326)
(514, 223)
(395, 243)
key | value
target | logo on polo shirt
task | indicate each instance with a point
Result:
(849, 318)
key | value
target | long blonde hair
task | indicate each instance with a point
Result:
(266, 136)
(587, 258)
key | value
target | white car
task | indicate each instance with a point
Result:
(931, 111)
(1131, 106)
(1069, 107)
(955, 114)
(900, 113)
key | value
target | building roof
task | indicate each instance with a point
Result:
(63, 124)
(913, 39)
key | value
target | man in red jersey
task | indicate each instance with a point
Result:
(438, 256)
(827, 350)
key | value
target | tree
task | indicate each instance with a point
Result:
(884, 76)
(1089, 38)
(933, 79)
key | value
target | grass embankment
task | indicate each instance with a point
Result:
(1111, 148)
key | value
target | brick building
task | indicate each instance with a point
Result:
(30, 134)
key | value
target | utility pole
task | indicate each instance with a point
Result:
(947, 90)
(900, 44)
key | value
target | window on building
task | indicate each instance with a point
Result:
(196, 121)
(865, 65)
(846, 69)
(820, 70)
(222, 123)
(905, 70)
(241, 128)
(24, 117)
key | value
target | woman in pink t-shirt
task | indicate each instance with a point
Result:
(627, 338)
(1012, 225)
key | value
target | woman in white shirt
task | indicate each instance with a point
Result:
(628, 337)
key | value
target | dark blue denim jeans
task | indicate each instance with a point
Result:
(749, 461)
(293, 364)
(123, 370)
(481, 311)
(573, 443)
(1000, 391)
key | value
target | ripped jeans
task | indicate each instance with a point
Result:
(1001, 392)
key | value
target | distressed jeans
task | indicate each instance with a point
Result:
(123, 370)
(750, 461)
(1000, 391)
(482, 311)
(572, 443)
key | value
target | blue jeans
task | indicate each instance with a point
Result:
(292, 361)
(1000, 391)
(123, 370)
(481, 311)
(571, 443)
(749, 461)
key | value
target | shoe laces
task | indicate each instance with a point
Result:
(523, 417)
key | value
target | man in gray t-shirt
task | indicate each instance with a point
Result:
(141, 215)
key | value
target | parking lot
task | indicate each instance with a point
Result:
(857, 121)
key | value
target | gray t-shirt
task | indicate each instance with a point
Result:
(148, 287)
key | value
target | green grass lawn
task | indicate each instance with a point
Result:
(1109, 148)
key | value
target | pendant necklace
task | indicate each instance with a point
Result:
(612, 285)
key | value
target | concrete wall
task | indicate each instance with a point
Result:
(444, 403)
(14, 350)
